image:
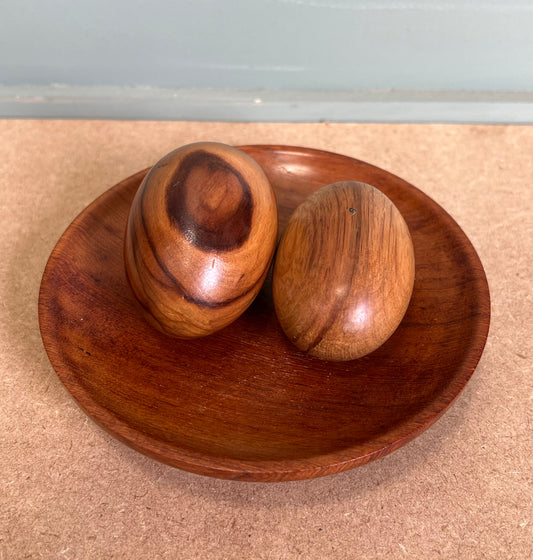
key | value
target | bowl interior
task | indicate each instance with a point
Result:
(245, 403)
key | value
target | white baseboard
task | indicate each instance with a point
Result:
(147, 103)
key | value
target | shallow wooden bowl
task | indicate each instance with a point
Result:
(244, 403)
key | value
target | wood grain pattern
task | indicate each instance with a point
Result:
(344, 272)
(200, 238)
(244, 403)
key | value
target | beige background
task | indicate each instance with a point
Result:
(461, 490)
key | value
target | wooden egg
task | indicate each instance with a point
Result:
(344, 272)
(200, 238)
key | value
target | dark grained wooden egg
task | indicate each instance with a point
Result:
(201, 234)
(344, 272)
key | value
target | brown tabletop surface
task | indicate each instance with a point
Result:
(462, 489)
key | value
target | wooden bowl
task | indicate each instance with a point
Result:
(244, 403)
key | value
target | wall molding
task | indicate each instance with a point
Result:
(149, 103)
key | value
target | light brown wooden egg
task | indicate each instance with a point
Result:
(344, 272)
(200, 238)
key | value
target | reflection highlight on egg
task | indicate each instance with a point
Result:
(359, 317)
(210, 278)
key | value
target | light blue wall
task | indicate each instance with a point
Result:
(82, 57)
(272, 44)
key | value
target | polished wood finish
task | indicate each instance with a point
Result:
(344, 272)
(200, 238)
(244, 403)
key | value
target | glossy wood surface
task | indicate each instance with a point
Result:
(344, 272)
(200, 238)
(244, 403)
